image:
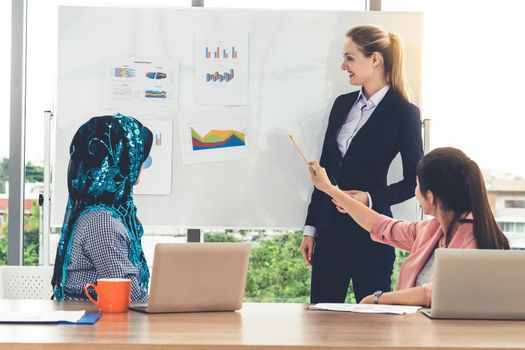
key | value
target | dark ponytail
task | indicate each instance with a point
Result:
(488, 234)
(457, 181)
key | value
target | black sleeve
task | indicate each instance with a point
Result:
(312, 218)
(411, 149)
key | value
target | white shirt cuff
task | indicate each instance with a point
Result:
(309, 231)
(312, 231)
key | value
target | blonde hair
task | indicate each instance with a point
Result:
(372, 39)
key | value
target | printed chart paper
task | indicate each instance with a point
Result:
(156, 171)
(367, 308)
(142, 84)
(218, 140)
(221, 76)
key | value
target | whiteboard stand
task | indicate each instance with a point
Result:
(46, 198)
(426, 135)
(373, 5)
(426, 148)
(193, 235)
(40, 230)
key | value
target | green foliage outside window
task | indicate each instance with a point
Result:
(4, 173)
(3, 245)
(31, 238)
(277, 271)
(401, 256)
(34, 173)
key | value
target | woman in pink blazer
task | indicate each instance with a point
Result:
(450, 188)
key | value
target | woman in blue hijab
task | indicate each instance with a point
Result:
(101, 234)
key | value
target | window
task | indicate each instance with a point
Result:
(506, 226)
(42, 36)
(512, 227)
(5, 92)
(515, 203)
(459, 71)
(463, 72)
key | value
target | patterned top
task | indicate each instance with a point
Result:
(425, 275)
(100, 249)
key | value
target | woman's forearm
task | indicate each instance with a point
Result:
(363, 215)
(409, 296)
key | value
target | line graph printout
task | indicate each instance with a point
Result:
(221, 75)
(142, 84)
(217, 140)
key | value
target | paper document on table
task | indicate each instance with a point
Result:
(367, 308)
(77, 317)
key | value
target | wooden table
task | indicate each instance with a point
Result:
(257, 326)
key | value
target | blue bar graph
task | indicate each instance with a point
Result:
(218, 77)
(217, 53)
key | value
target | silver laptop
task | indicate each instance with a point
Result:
(478, 284)
(190, 277)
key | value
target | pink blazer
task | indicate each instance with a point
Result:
(420, 238)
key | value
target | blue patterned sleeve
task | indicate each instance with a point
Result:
(107, 245)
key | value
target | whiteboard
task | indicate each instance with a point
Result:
(294, 77)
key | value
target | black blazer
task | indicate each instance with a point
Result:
(393, 127)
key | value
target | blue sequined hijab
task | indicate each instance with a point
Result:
(106, 156)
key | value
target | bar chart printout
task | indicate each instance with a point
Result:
(221, 62)
(220, 77)
(156, 174)
(220, 53)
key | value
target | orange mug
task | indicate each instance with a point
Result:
(112, 294)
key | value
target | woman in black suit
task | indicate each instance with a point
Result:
(366, 130)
